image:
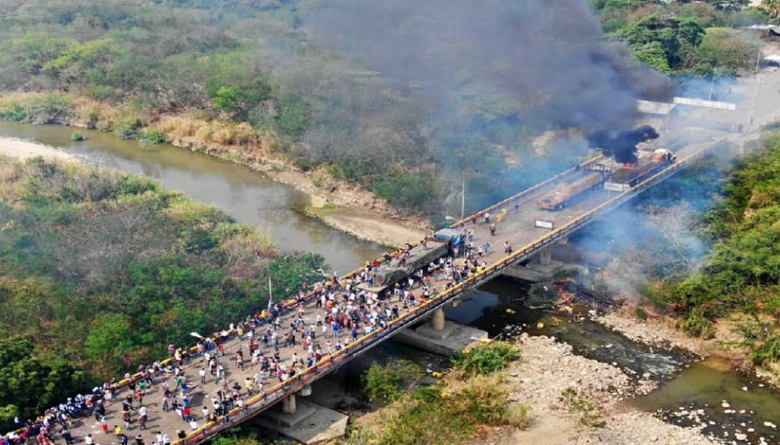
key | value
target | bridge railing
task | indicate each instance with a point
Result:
(528, 191)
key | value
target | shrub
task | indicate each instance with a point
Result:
(152, 137)
(385, 383)
(434, 416)
(407, 190)
(17, 113)
(485, 359)
(78, 137)
(697, 325)
(126, 132)
(768, 351)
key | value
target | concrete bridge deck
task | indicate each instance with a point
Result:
(516, 227)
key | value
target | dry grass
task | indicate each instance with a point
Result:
(196, 130)
(9, 100)
(191, 129)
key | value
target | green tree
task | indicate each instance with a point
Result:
(110, 340)
(29, 384)
(678, 38)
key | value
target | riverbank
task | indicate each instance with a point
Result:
(355, 216)
(575, 400)
(23, 150)
(238, 143)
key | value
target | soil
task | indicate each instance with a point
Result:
(365, 225)
(19, 149)
(656, 330)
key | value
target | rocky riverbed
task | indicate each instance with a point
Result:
(575, 400)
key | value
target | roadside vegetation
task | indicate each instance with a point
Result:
(100, 270)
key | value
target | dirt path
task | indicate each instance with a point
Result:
(367, 226)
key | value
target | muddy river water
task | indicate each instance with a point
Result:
(248, 196)
(703, 393)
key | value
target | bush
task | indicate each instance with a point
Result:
(126, 132)
(485, 359)
(434, 416)
(152, 137)
(386, 383)
(768, 351)
(408, 190)
(78, 137)
(17, 113)
(697, 325)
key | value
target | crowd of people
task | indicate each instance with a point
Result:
(272, 346)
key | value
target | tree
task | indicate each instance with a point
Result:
(772, 7)
(29, 384)
(677, 38)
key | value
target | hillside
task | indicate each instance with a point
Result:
(288, 80)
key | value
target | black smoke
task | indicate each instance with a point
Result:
(622, 144)
(545, 57)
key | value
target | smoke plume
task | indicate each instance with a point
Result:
(622, 144)
(548, 58)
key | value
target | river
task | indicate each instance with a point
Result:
(248, 196)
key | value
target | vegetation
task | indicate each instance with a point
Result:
(256, 77)
(485, 359)
(446, 414)
(685, 38)
(742, 271)
(99, 269)
(387, 383)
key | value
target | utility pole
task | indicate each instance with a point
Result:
(712, 86)
(463, 197)
(270, 289)
(755, 91)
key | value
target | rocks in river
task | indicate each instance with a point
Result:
(740, 436)
(725, 404)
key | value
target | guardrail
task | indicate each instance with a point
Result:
(527, 191)
(259, 403)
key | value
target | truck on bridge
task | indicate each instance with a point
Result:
(560, 196)
(632, 174)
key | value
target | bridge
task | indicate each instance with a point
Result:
(517, 227)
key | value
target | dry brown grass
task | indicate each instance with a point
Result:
(193, 130)
(9, 100)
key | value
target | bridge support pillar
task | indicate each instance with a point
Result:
(437, 322)
(441, 336)
(289, 405)
(545, 256)
(455, 302)
(305, 391)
